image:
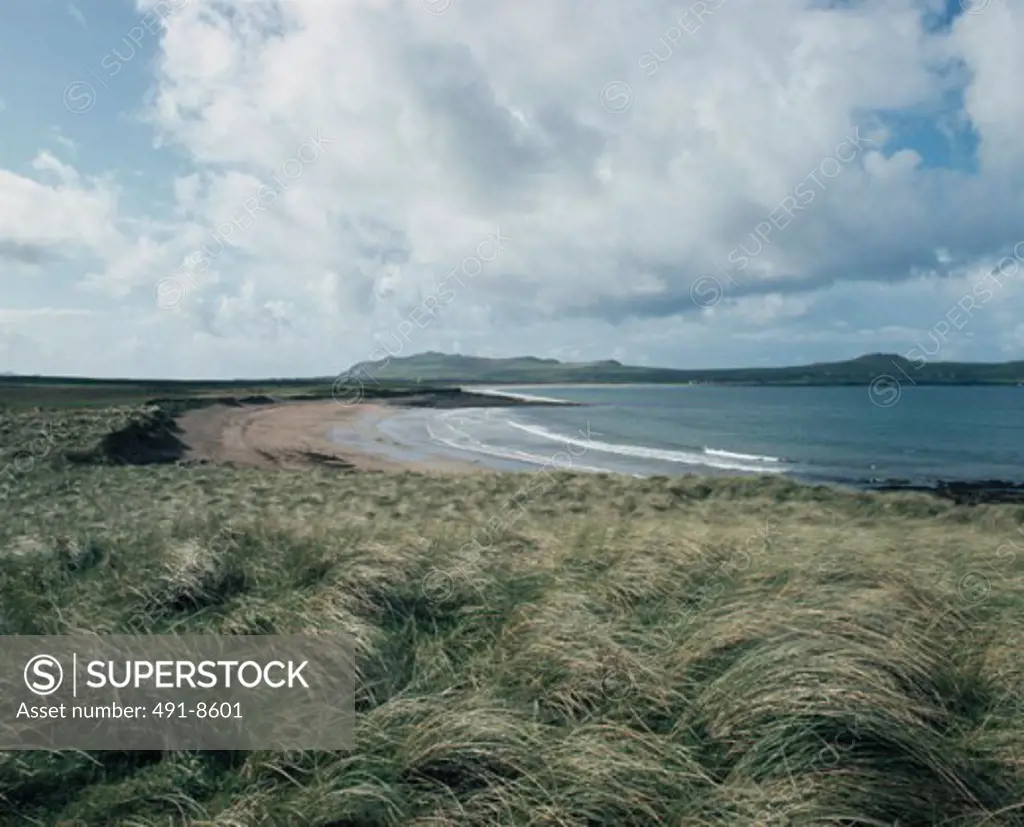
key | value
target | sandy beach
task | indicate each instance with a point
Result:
(297, 435)
(306, 434)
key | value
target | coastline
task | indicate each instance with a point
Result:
(296, 435)
(299, 433)
(306, 434)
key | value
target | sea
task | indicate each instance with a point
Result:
(846, 435)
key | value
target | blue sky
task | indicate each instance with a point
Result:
(46, 48)
(577, 180)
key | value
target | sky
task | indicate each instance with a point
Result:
(271, 188)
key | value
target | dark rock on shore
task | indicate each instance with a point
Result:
(963, 492)
(149, 440)
(258, 400)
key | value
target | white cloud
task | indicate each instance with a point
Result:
(68, 145)
(989, 43)
(186, 193)
(439, 128)
(45, 162)
(35, 314)
(68, 213)
(76, 15)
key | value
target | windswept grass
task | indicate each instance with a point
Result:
(613, 652)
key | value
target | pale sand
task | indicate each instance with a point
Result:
(295, 435)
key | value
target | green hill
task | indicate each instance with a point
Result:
(440, 367)
(443, 368)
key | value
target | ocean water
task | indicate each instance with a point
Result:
(817, 434)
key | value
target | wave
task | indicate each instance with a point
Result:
(717, 460)
(526, 397)
(469, 443)
(714, 452)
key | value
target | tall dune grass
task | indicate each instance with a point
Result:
(625, 652)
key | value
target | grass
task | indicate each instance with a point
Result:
(614, 651)
(19, 394)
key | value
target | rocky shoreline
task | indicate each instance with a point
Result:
(962, 492)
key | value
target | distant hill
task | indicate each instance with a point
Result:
(447, 369)
(444, 368)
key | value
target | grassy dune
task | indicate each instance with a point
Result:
(612, 652)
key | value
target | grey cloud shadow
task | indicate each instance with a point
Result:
(33, 254)
(501, 158)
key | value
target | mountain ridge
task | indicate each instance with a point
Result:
(436, 367)
(433, 366)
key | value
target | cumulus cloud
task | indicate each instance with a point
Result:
(36, 216)
(347, 158)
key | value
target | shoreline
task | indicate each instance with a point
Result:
(306, 434)
(296, 435)
(267, 433)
